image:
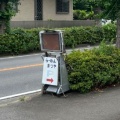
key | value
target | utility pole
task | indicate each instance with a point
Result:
(118, 34)
(118, 25)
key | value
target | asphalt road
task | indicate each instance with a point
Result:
(20, 74)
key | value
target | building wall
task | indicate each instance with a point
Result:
(49, 11)
(26, 11)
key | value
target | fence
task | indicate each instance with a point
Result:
(52, 24)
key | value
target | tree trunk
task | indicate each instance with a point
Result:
(2, 23)
(118, 34)
(97, 10)
(2, 28)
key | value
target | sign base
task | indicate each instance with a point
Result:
(62, 80)
(58, 90)
(52, 89)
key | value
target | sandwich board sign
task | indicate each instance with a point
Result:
(50, 71)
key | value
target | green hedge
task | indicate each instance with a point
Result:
(91, 35)
(92, 69)
(21, 41)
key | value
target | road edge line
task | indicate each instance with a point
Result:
(20, 94)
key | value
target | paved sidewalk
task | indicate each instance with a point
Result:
(102, 105)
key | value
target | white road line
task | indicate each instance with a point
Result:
(4, 58)
(20, 94)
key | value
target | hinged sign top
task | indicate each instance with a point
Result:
(51, 41)
(50, 71)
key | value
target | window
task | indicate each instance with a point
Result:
(38, 9)
(62, 6)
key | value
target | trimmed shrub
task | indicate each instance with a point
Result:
(21, 41)
(92, 69)
(109, 32)
(75, 36)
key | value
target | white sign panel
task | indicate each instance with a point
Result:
(50, 71)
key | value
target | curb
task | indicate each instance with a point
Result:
(21, 98)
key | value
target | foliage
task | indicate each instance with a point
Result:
(91, 35)
(92, 69)
(82, 15)
(86, 4)
(20, 41)
(112, 9)
(6, 12)
(109, 9)
(95, 6)
(109, 31)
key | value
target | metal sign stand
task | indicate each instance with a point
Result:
(55, 77)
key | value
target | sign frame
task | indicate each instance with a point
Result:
(60, 40)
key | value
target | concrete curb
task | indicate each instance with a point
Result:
(20, 98)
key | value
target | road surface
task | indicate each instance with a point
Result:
(20, 74)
